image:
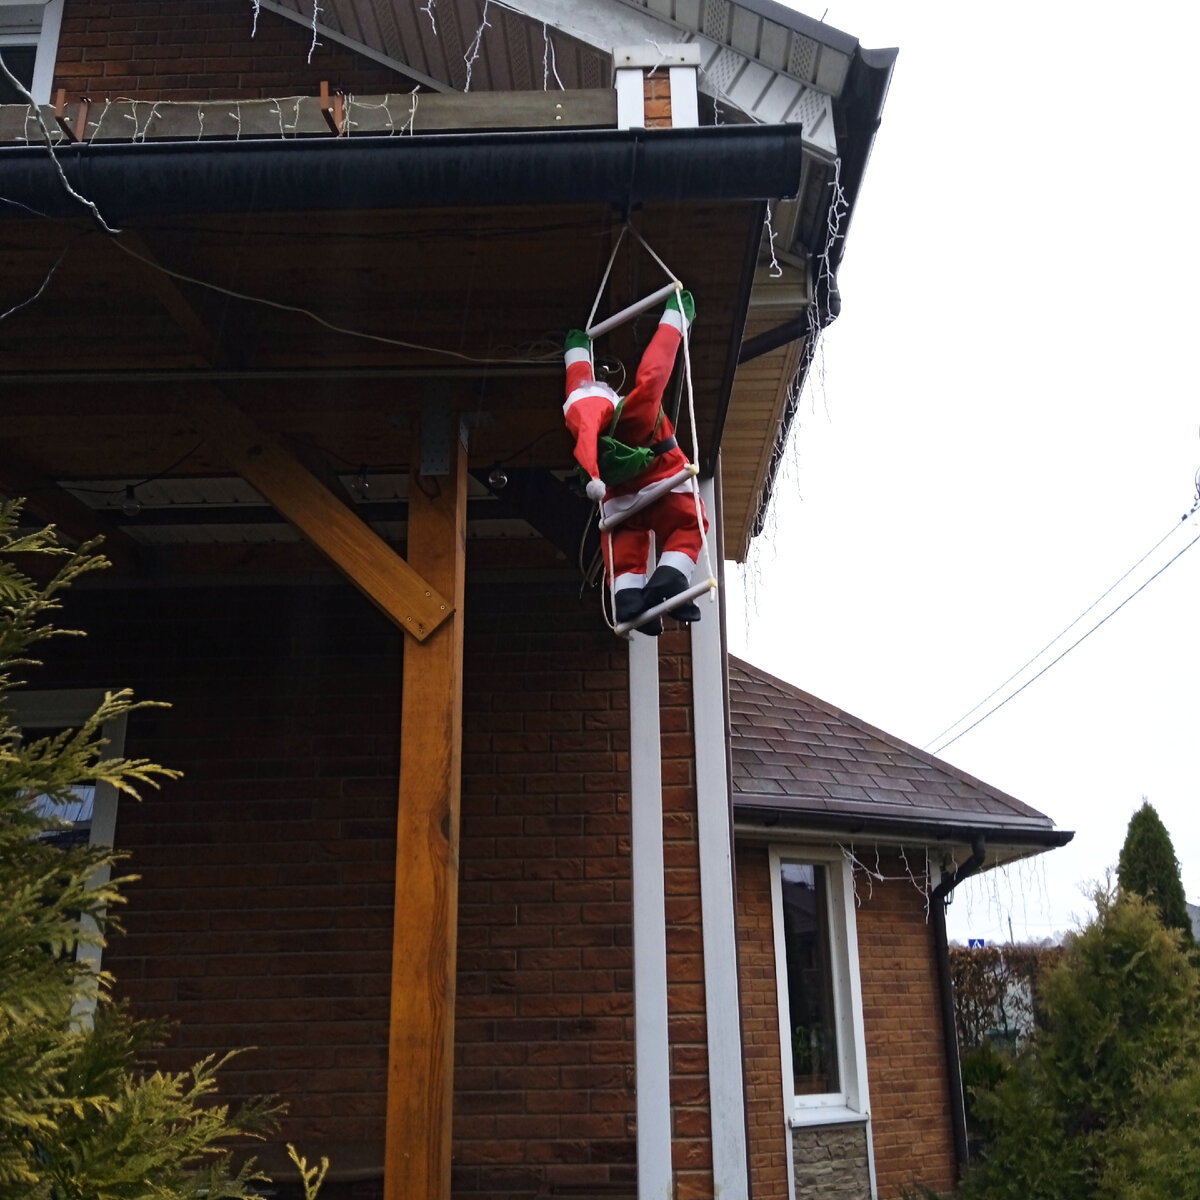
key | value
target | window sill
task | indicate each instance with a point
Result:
(832, 1115)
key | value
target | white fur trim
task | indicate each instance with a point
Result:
(600, 391)
(680, 561)
(577, 355)
(674, 318)
(629, 580)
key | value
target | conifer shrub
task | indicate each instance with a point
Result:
(1104, 1102)
(83, 1114)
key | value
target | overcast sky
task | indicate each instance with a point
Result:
(1009, 421)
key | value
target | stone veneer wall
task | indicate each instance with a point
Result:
(830, 1162)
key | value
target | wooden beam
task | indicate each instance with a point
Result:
(318, 116)
(49, 503)
(168, 293)
(425, 938)
(405, 596)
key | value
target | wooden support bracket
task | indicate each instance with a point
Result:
(332, 109)
(412, 603)
(71, 133)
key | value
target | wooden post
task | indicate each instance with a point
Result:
(424, 942)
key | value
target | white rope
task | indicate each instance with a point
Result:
(612, 258)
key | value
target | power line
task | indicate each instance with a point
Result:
(1068, 650)
(1058, 637)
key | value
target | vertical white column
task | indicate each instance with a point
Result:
(685, 97)
(726, 1087)
(631, 99)
(652, 1050)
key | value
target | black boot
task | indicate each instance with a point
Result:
(665, 583)
(630, 604)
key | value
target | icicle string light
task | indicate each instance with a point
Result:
(549, 61)
(776, 269)
(476, 46)
(874, 875)
(317, 10)
(427, 8)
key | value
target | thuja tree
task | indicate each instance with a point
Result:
(81, 1115)
(1104, 1103)
(1148, 866)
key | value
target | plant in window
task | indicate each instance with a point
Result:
(81, 1116)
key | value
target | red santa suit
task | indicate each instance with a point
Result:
(589, 410)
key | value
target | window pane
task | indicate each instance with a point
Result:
(809, 978)
(19, 60)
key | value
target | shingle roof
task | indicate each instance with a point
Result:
(795, 754)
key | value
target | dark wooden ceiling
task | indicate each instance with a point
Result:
(97, 372)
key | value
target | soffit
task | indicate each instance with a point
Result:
(767, 67)
(760, 62)
(98, 374)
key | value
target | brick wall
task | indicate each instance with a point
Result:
(910, 1116)
(201, 50)
(760, 1024)
(264, 911)
(691, 1117)
(910, 1112)
(656, 88)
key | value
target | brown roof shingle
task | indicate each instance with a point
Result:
(794, 754)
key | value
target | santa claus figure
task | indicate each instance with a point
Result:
(625, 446)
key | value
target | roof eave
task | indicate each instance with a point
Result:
(767, 813)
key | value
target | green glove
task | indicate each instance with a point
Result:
(689, 305)
(577, 340)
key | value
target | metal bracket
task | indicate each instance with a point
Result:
(436, 443)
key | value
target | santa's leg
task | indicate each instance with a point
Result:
(673, 519)
(626, 552)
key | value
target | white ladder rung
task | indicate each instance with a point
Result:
(640, 306)
(667, 606)
(652, 493)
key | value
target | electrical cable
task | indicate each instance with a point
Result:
(330, 325)
(1058, 637)
(1068, 650)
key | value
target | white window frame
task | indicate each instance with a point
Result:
(45, 38)
(68, 708)
(850, 1103)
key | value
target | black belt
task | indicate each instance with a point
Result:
(668, 443)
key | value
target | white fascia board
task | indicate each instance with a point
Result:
(386, 60)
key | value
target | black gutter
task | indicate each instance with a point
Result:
(623, 168)
(938, 902)
(768, 813)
